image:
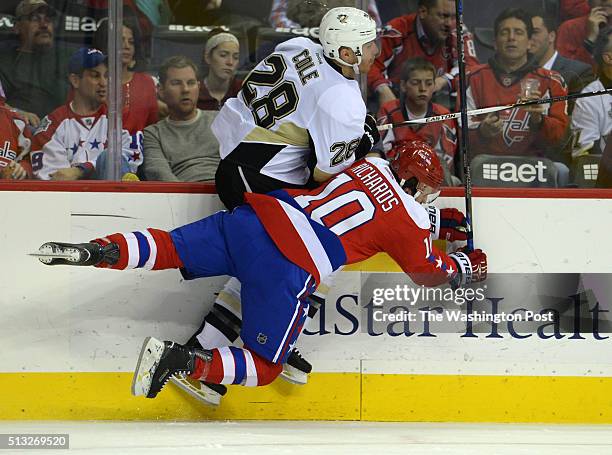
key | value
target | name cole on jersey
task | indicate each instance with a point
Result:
(291, 102)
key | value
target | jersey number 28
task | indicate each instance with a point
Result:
(280, 101)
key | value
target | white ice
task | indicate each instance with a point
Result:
(319, 438)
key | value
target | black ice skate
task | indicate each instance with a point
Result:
(159, 361)
(296, 369)
(56, 253)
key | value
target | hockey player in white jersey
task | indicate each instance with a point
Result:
(592, 116)
(301, 102)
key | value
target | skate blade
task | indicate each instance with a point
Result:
(202, 393)
(293, 375)
(50, 251)
(150, 356)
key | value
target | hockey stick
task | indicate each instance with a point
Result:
(464, 146)
(487, 110)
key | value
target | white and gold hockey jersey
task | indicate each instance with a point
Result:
(292, 95)
(591, 121)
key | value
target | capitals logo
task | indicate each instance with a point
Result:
(6, 154)
(515, 126)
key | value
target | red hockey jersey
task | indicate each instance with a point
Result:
(15, 138)
(570, 40)
(407, 40)
(442, 136)
(368, 211)
(490, 87)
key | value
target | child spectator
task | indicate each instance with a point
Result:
(416, 90)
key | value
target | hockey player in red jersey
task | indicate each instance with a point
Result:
(296, 238)
(416, 90)
(428, 33)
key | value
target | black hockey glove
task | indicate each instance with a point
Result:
(369, 139)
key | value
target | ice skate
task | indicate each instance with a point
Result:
(159, 361)
(296, 369)
(82, 254)
(207, 393)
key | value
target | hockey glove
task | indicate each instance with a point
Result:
(369, 139)
(447, 224)
(472, 267)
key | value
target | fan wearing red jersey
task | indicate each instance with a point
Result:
(576, 37)
(296, 239)
(524, 131)
(428, 33)
(15, 143)
(416, 90)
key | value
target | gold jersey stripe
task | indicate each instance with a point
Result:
(288, 133)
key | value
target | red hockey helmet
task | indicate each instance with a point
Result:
(417, 159)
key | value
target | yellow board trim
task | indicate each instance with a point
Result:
(328, 396)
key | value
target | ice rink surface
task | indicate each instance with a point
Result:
(319, 438)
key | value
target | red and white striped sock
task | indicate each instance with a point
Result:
(233, 365)
(151, 249)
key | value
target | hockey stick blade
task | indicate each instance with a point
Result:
(488, 110)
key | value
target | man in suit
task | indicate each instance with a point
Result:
(576, 74)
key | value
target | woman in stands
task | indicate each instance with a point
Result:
(221, 57)
(140, 104)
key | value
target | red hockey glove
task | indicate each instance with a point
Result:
(472, 266)
(447, 224)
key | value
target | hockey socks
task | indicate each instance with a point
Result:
(232, 365)
(151, 249)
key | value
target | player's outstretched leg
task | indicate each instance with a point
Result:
(160, 360)
(82, 254)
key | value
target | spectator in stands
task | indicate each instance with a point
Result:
(71, 138)
(299, 13)
(428, 33)
(33, 74)
(577, 36)
(221, 57)
(181, 147)
(139, 93)
(592, 116)
(15, 142)
(416, 90)
(508, 77)
(237, 13)
(576, 74)
(569, 9)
